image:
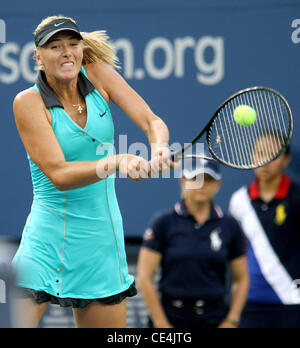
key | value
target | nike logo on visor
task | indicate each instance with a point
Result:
(58, 24)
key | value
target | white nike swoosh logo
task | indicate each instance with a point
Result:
(58, 24)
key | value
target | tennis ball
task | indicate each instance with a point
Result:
(244, 115)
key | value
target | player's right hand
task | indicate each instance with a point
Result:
(134, 167)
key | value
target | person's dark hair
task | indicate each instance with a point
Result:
(288, 150)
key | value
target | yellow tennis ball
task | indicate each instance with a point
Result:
(244, 115)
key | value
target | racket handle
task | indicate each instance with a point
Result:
(172, 157)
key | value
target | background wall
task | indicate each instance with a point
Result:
(184, 57)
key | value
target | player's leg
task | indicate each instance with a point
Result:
(98, 315)
(28, 313)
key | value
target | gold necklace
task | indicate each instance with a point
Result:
(78, 106)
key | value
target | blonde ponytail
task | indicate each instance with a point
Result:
(96, 48)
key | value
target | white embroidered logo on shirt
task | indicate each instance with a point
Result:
(149, 234)
(216, 242)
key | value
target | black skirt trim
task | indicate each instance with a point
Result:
(41, 297)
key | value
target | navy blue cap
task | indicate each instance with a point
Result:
(57, 25)
(196, 166)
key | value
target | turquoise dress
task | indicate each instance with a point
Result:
(73, 242)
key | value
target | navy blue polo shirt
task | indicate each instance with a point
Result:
(194, 258)
(280, 222)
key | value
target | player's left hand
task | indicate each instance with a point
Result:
(160, 159)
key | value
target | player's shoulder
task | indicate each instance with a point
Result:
(101, 75)
(28, 98)
(99, 70)
(28, 108)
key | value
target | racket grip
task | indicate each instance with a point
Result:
(172, 157)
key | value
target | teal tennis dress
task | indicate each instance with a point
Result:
(73, 241)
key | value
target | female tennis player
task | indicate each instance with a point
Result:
(72, 250)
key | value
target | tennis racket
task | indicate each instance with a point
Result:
(246, 147)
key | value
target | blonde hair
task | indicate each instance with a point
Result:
(95, 44)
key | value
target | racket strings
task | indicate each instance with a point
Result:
(256, 144)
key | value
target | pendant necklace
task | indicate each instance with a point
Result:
(79, 107)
